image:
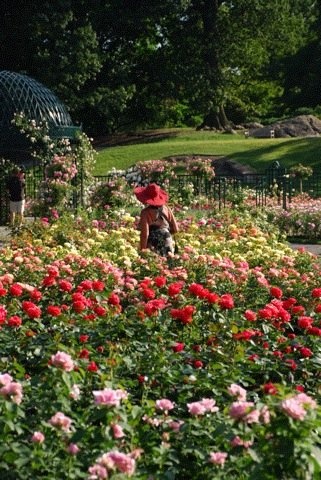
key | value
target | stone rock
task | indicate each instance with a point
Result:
(300, 126)
(252, 125)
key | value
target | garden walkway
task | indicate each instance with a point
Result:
(5, 235)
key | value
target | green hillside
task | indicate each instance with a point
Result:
(258, 153)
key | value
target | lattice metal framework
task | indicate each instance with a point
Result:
(19, 93)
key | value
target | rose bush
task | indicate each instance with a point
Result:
(117, 364)
(302, 219)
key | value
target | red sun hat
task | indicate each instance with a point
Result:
(151, 195)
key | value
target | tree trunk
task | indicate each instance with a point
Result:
(209, 9)
(216, 120)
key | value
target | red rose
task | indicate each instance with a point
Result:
(298, 310)
(100, 311)
(65, 286)
(113, 299)
(300, 388)
(196, 289)
(276, 292)
(53, 271)
(92, 367)
(226, 301)
(14, 321)
(250, 315)
(291, 336)
(244, 335)
(291, 363)
(34, 312)
(98, 285)
(49, 281)
(36, 295)
(306, 352)
(53, 310)
(287, 304)
(314, 331)
(198, 364)
(142, 378)
(270, 389)
(212, 297)
(83, 338)
(16, 290)
(317, 308)
(265, 313)
(85, 285)
(305, 322)
(84, 353)
(175, 288)
(153, 306)
(160, 281)
(278, 354)
(148, 293)
(316, 293)
(253, 357)
(178, 347)
(79, 306)
(183, 314)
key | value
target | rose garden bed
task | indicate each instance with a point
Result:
(116, 364)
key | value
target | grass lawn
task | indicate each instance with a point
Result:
(258, 153)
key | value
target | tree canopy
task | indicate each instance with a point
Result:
(120, 64)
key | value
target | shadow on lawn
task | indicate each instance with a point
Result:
(291, 152)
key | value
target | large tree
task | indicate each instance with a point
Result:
(119, 63)
(224, 48)
(302, 71)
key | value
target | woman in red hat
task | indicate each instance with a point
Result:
(157, 222)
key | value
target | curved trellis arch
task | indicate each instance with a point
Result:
(20, 93)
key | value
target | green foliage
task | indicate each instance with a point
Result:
(169, 63)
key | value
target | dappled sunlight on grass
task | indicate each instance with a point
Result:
(256, 152)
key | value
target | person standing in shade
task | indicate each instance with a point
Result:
(16, 187)
(157, 222)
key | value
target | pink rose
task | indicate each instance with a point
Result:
(164, 404)
(293, 409)
(109, 397)
(237, 391)
(97, 472)
(38, 437)
(12, 391)
(239, 409)
(203, 406)
(118, 431)
(117, 460)
(73, 449)
(218, 458)
(63, 360)
(61, 421)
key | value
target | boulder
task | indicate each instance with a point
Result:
(300, 126)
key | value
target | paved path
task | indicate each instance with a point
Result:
(4, 235)
(315, 249)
